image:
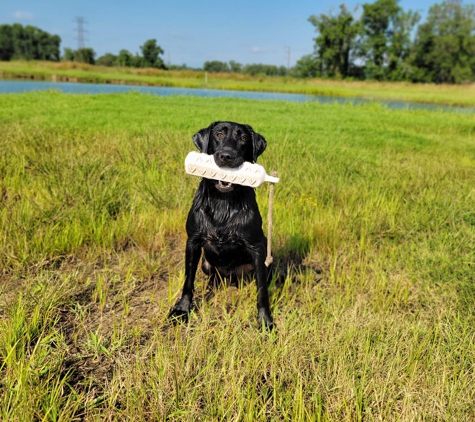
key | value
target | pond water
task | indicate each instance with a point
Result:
(9, 86)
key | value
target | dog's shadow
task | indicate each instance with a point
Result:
(291, 263)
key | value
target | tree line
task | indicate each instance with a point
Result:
(28, 43)
(250, 69)
(150, 56)
(31, 43)
(384, 43)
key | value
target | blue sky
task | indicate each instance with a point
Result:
(191, 32)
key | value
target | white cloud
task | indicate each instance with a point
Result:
(23, 15)
(256, 50)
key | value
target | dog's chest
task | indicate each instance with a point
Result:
(218, 239)
(224, 249)
(224, 230)
(225, 219)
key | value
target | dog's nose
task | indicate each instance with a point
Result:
(225, 156)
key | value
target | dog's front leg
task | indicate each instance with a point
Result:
(192, 256)
(264, 317)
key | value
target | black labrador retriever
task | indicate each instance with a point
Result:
(224, 220)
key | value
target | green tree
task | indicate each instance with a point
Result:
(235, 67)
(215, 66)
(107, 59)
(179, 67)
(28, 43)
(376, 22)
(385, 44)
(125, 58)
(306, 67)
(6, 42)
(282, 71)
(400, 45)
(444, 50)
(45, 46)
(151, 54)
(84, 55)
(264, 69)
(20, 47)
(68, 55)
(335, 42)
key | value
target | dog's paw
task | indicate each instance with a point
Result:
(265, 320)
(178, 314)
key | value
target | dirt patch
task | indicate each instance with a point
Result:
(106, 306)
(98, 329)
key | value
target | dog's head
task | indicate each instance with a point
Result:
(231, 144)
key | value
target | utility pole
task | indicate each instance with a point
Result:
(287, 54)
(80, 21)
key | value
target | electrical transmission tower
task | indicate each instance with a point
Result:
(287, 55)
(80, 21)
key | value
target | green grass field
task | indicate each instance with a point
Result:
(459, 95)
(374, 234)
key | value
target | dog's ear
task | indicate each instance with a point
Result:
(259, 143)
(201, 138)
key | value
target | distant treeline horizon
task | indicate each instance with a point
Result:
(385, 43)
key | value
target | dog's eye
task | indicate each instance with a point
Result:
(220, 135)
(243, 138)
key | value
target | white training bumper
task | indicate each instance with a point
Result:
(247, 174)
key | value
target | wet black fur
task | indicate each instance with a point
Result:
(224, 222)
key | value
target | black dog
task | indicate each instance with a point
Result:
(224, 220)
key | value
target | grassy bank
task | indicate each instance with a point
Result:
(77, 72)
(374, 233)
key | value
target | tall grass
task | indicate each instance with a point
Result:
(374, 237)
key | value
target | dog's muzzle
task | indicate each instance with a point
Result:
(226, 157)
